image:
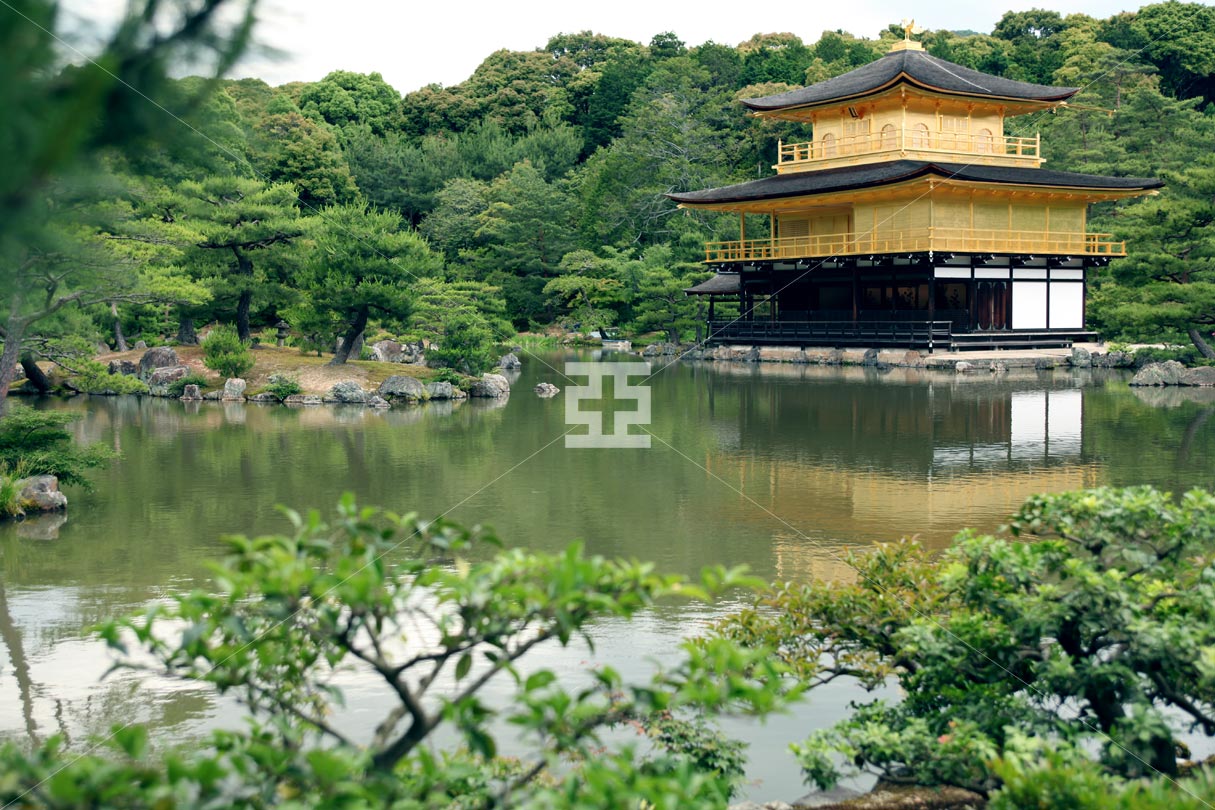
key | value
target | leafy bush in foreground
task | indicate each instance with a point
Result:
(1036, 777)
(1091, 626)
(396, 598)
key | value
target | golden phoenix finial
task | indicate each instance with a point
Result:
(909, 28)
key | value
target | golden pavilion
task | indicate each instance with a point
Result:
(912, 219)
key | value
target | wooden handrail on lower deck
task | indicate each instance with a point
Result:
(917, 240)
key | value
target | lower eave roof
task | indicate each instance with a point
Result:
(720, 284)
(872, 175)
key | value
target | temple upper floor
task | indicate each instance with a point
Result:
(875, 133)
(909, 105)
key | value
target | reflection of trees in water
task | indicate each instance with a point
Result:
(1173, 396)
(11, 636)
(188, 477)
(1153, 436)
(121, 698)
(1186, 447)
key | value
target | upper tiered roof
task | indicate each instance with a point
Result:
(914, 67)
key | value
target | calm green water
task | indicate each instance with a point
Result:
(781, 468)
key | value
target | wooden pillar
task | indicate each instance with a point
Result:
(855, 291)
(711, 300)
(932, 294)
(1007, 318)
(932, 305)
(972, 289)
(1083, 296)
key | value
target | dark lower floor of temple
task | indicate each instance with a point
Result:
(949, 302)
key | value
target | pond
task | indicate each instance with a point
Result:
(781, 468)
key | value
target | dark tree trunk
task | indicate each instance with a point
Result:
(186, 336)
(349, 339)
(120, 340)
(1201, 344)
(244, 267)
(242, 314)
(14, 333)
(34, 375)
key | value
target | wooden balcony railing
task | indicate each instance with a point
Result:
(1016, 150)
(917, 240)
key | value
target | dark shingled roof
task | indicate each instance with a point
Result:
(720, 284)
(920, 69)
(881, 174)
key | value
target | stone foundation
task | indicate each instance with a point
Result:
(1041, 359)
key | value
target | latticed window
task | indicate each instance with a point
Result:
(792, 228)
(889, 139)
(856, 126)
(829, 146)
(855, 131)
(954, 129)
(984, 141)
(919, 136)
(954, 123)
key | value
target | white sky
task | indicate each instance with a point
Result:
(415, 44)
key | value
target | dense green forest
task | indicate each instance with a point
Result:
(531, 195)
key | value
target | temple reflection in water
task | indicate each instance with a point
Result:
(836, 465)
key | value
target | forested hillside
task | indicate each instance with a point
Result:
(532, 193)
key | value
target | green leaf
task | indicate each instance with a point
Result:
(463, 666)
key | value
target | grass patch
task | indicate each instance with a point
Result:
(531, 340)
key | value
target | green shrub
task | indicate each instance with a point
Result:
(226, 353)
(93, 377)
(283, 386)
(1098, 634)
(467, 345)
(36, 443)
(698, 740)
(178, 387)
(448, 375)
(1062, 779)
(1186, 355)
